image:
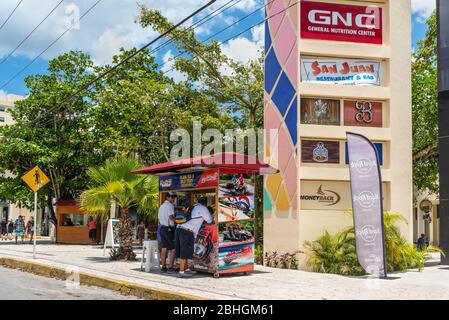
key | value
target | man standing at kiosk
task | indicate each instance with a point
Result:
(166, 217)
(186, 234)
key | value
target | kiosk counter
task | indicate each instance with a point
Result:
(227, 181)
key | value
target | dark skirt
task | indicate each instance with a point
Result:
(93, 234)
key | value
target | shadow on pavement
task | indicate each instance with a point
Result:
(38, 242)
(99, 259)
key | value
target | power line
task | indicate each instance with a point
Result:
(10, 15)
(51, 45)
(199, 23)
(223, 42)
(105, 73)
(29, 35)
(223, 30)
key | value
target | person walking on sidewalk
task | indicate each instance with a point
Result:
(140, 232)
(92, 224)
(10, 229)
(186, 234)
(30, 228)
(19, 228)
(166, 217)
(4, 230)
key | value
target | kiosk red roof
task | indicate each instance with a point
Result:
(227, 162)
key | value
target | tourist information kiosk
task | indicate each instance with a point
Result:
(227, 181)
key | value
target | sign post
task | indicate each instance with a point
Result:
(35, 179)
(443, 107)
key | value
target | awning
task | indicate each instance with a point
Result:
(227, 162)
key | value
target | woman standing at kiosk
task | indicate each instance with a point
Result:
(166, 217)
(186, 234)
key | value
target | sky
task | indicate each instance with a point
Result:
(110, 24)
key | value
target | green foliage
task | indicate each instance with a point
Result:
(425, 111)
(139, 107)
(56, 139)
(336, 253)
(333, 253)
(283, 261)
(258, 255)
(235, 86)
(114, 183)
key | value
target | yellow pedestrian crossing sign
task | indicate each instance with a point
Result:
(35, 179)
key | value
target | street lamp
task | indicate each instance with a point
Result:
(443, 106)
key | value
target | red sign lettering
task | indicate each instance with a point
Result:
(328, 21)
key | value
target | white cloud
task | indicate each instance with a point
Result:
(243, 49)
(168, 68)
(3, 95)
(423, 9)
(102, 32)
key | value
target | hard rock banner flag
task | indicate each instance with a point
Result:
(367, 207)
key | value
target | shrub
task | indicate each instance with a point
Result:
(258, 255)
(336, 253)
(284, 261)
(333, 253)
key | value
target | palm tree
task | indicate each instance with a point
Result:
(114, 183)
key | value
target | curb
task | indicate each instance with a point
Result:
(124, 287)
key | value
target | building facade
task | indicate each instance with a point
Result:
(333, 67)
(426, 218)
(10, 211)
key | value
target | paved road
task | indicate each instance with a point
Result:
(15, 285)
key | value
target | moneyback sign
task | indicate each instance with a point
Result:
(338, 22)
(341, 71)
(367, 206)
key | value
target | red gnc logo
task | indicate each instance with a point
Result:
(335, 18)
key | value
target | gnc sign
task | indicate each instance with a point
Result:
(329, 21)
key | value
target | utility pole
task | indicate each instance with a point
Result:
(443, 107)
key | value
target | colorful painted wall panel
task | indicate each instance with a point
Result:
(281, 103)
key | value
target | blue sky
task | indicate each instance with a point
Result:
(110, 25)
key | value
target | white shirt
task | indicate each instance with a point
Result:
(165, 211)
(199, 214)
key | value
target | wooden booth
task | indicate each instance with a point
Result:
(72, 224)
(226, 180)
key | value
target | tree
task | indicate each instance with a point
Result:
(114, 183)
(52, 133)
(234, 85)
(425, 111)
(139, 107)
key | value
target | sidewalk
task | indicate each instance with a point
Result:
(264, 283)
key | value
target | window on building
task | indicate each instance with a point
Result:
(73, 220)
(2, 119)
(2, 109)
